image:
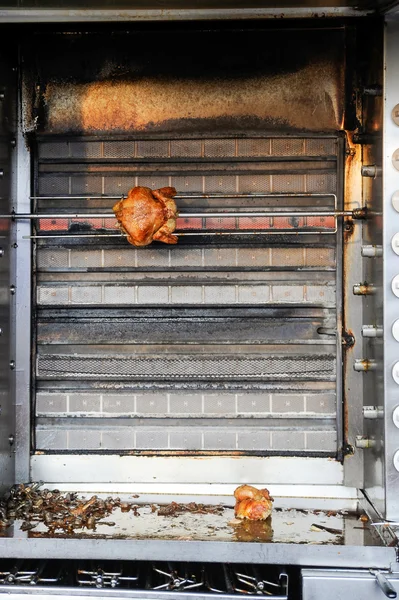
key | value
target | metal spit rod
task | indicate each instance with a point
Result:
(266, 213)
(191, 233)
(198, 196)
(357, 213)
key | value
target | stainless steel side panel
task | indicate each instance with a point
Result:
(7, 153)
(341, 585)
(391, 269)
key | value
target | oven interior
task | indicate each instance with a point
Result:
(250, 352)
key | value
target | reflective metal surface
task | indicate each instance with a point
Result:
(372, 267)
(131, 94)
(21, 280)
(7, 154)
(391, 302)
(342, 584)
(100, 12)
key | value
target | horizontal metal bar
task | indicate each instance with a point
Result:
(329, 555)
(266, 232)
(267, 213)
(191, 233)
(197, 196)
(88, 14)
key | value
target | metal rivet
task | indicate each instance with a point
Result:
(12, 364)
(395, 114)
(395, 417)
(12, 290)
(13, 143)
(11, 439)
(1, 252)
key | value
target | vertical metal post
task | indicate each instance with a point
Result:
(391, 268)
(339, 301)
(353, 320)
(7, 124)
(21, 307)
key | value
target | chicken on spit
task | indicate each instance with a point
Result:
(147, 215)
(252, 503)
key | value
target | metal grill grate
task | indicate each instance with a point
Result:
(270, 361)
(169, 366)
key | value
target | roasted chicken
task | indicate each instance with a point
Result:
(252, 503)
(147, 215)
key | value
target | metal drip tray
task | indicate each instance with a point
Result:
(284, 526)
(311, 536)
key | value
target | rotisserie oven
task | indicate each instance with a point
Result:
(144, 383)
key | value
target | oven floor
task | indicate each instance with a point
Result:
(283, 526)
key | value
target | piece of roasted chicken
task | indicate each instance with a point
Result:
(252, 503)
(147, 215)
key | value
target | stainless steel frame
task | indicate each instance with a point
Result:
(7, 180)
(391, 303)
(21, 281)
(354, 557)
(75, 471)
(32, 15)
(344, 583)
